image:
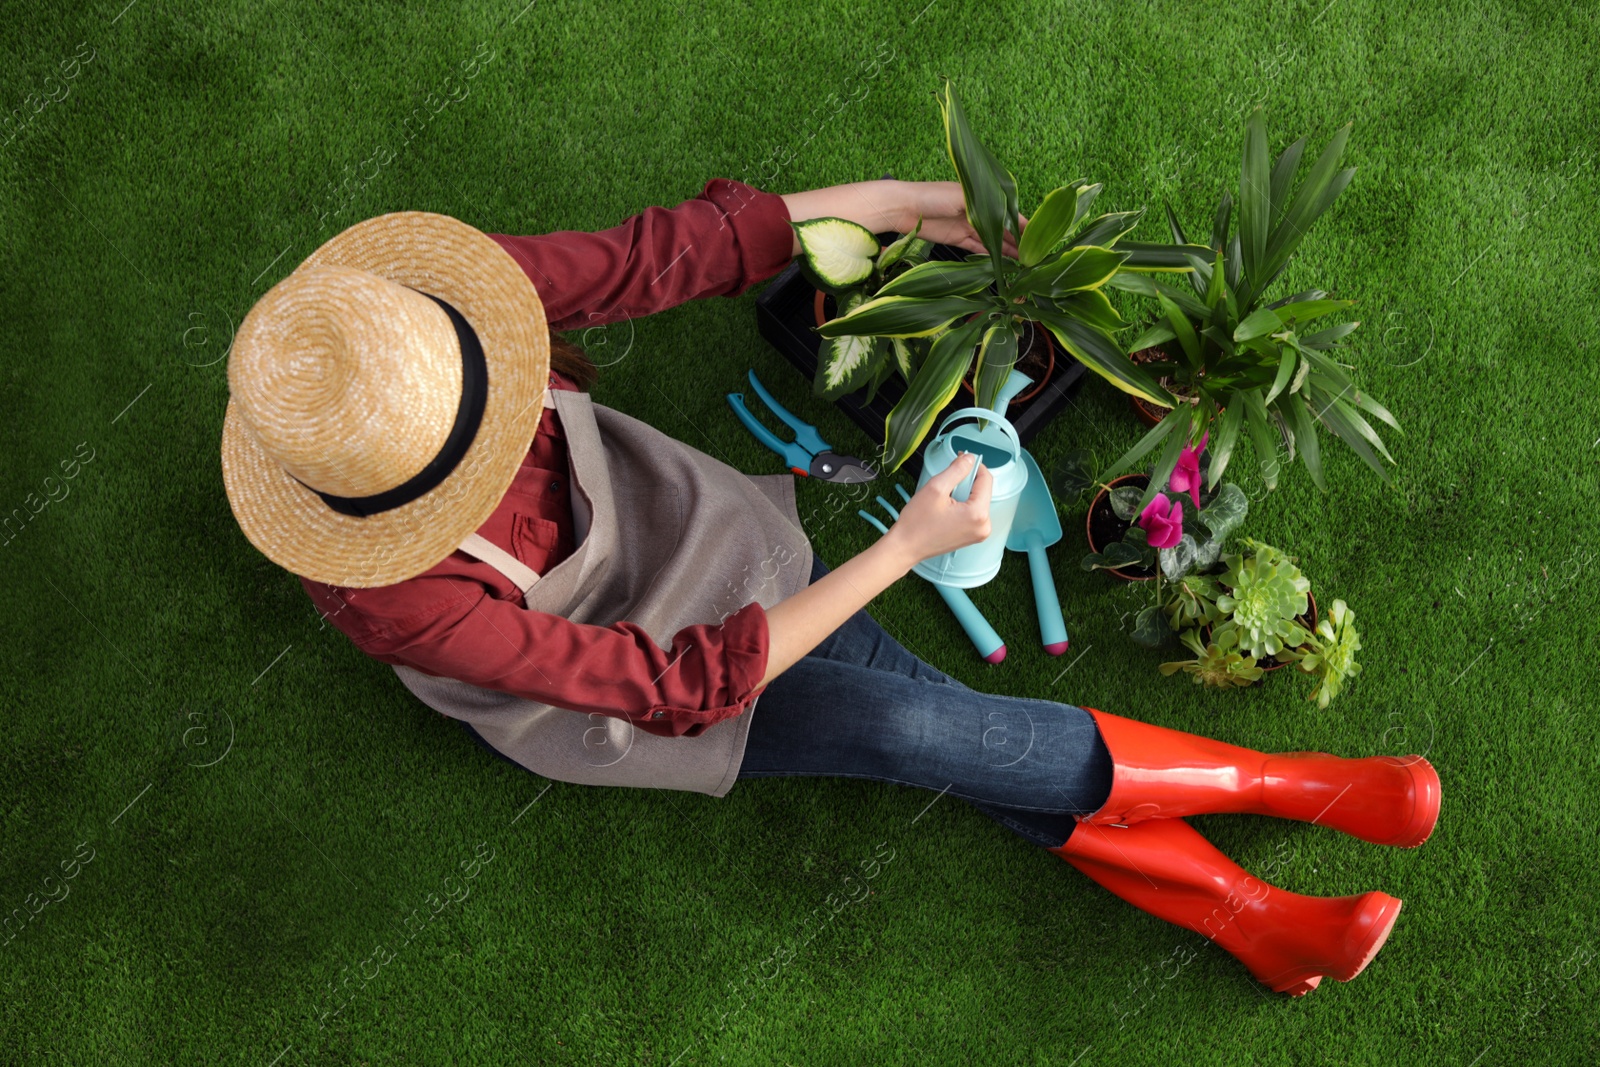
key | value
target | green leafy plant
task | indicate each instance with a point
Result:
(1177, 547)
(1239, 363)
(1192, 603)
(1250, 600)
(1330, 653)
(845, 259)
(978, 308)
(1219, 664)
(1265, 593)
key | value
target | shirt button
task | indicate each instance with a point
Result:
(555, 486)
(658, 715)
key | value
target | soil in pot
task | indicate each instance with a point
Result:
(1037, 359)
(1151, 414)
(1103, 527)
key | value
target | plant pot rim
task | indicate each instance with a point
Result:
(1088, 521)
(1038, 387)
(966, 384)
(1152, 414)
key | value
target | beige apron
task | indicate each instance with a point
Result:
(667, 537)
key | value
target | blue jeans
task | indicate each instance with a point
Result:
(861, 706)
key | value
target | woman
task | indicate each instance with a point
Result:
(606, 604)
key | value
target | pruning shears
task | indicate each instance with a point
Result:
(808, 455)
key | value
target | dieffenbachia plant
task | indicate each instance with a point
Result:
(979, 308)
(843, 258)
(1245, 365)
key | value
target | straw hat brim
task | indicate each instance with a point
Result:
(444, 257)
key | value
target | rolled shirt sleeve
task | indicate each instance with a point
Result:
(720, 243)
(708, 673)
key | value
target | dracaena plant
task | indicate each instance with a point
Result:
(939, 317)
(1244, 363)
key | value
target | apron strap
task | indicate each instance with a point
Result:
(520, 574)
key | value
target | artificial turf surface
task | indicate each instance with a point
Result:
(253, 812)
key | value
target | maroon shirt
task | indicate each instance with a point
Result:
(463, 619)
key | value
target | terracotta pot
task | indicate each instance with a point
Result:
(1106, 518)
(820, 308)
(1148, 413)
(822, 311)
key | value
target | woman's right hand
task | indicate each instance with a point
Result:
(934, 523)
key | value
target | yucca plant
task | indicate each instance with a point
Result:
(939, 316)
(1244, 364)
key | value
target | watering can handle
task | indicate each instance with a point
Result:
(989, 415)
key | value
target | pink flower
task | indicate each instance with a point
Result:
(1186, 475)
(1163, 521)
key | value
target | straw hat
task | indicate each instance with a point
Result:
(381, 399)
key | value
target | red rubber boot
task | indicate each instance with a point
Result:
(1287, 941)
(1162, 773)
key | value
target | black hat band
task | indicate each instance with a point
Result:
(469, 415)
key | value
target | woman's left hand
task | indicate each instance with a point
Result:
(895, 205)
(943, 208)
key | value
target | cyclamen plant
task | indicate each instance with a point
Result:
(1158, 539)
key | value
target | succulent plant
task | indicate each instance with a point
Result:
(1193, 602)
(1219, 664)
(1332, 655)
(1267, 591)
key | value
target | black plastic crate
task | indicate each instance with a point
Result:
(786, 316)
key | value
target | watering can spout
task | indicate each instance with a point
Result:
(1015, 383)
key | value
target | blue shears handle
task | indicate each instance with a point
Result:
(797, 453)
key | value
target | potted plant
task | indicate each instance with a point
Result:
(791, 306)
(837, 250)
(1161, 542)
(843, 259)
(1261, 613)
(1233, 362)
(954, 316)
(1242, 614)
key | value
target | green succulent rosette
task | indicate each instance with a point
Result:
(1266, 593)
(1333, 654)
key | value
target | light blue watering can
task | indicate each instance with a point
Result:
(995, 444)
(1022, 519)
(1017, 478)
(995, 451)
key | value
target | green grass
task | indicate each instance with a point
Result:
(184, 175)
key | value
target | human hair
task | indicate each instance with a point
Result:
(571, 360)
